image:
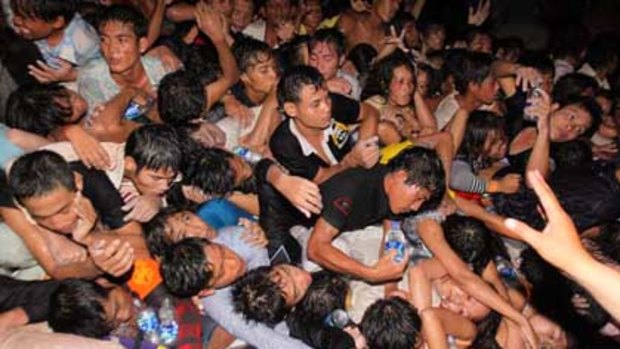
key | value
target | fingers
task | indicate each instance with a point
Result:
(115, 258)
(527, 233)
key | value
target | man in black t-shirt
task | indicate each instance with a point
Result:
(357, 198)
(314, 142)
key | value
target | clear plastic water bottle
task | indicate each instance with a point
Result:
(338, 318)
(147, 321)
(535, 93)
(505, 268)
(395, 240)
(247, 155)
(168, 326)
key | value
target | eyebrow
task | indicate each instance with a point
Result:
(53, 213)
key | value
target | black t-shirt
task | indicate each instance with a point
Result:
(97, 187)
(32, 296)
(355, 198)
(288, 151)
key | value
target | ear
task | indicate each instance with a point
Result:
(79, 181)
(290, 109)
(130, 165)
(244, 78)
(341, 61)
(58, 22)
(206, 292)
(193, 194)
(142, 45)
(555, 106)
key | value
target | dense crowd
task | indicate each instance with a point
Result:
(386, 174)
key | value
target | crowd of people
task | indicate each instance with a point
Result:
(386, 174)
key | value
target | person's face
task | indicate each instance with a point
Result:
(293, 282)
(422, 82)
(118, 308)
(261, 76)
(568, 123)
(222, 6)
(481, 43)
(496, 145)
(186, 224)
(324, 57)
(486, 91)
(33, 28)
(277, 11)
(225, 264)
(120, 46)
(401, 87)
(314, 110)
(605, 105)
(55, 211)
(313, 16)
(242, 14)
(412, 37)
(405, 197)
(386, 9)
(435, 39)
(154, 182)
(78, 105)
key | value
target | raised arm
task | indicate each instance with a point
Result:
(212, 24)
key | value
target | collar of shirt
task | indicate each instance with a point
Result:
(307, 148)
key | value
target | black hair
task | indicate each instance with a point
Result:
(573, 85)
(330, 36)
(38, 173)
(608, 240)
(423, 169)
(155, 231)
(471, 34)
(573, 156)
(181, 98)
(38, 108)
(294, 80)
(125, 15)
(201, 61)
(209, 170)
(539, 61)
(155, 147)
(509, 44)
(326, 293)
(602, 51)
(569, 40)
(76, 307)
(383, 73)
(435, 78)
(391, 323)
(475, 68)
(362, 55)
(184, 267)
(259, 298)
(401, 19)
(292, 53)
(487, 331)
(479, 125)
(249, 52)
(471, 241)
(591, 107)
(46, 10)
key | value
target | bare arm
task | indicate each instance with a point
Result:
(423, 113)
(457, 127)
(26, 140)
(155, 22)
(369, 121)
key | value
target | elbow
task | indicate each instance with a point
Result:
(313, 251)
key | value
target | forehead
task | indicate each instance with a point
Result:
(311, 92)
(48, 204)
(162, 173)
(260, 59)
(116, 28)
(323, 48)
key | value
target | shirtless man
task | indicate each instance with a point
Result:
(369, 26)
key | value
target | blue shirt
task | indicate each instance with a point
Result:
(220, 213)
(79, 45)
(8, 150)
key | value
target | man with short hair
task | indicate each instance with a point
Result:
(358, 198)
(327, 55)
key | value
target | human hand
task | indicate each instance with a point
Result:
(358, 337)
(558, 243)
(209, 135)
(365, 153)
(339, 85)
(395, 40)
(87, 217)
(88, 149)
(528, 334)
(141, 208)
(509, 184)
(253, 234)
(209, 22)
(360, 6)
(46, 74)
(540, 109)
(528, 78)
(64, 250)
(605, 152)
(302, 193)
(477, 16)
(114, 258)
(551, 334)
(387, 268)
